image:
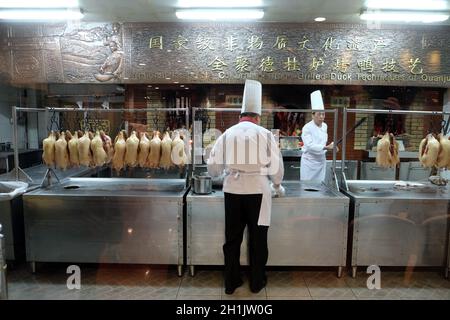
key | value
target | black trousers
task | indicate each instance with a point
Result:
(241, 211)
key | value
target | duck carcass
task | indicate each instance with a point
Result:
(443, 159)
(84, 149)
(166, 152)
(154, 155)
(48, 156)
(387, 151)
(393, 151)
(73, 149)
(131, 150)
(118, 160)
(429, 151)
(108, 146)
(383, 158)
(61, 152)
(179, 156)
(144, 149)
(98, 153)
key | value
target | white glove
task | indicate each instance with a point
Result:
(278, 191)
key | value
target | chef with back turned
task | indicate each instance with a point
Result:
(314, 136)
(249, 156)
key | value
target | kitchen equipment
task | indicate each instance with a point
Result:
(310, 224)
(122, 220)
(289, 142)
(202, 184)
(396, 220)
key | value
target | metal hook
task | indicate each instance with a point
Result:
(445, 126)
(53, 122)
(431, 127)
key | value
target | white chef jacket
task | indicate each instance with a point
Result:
(313, 162)
(249, 156)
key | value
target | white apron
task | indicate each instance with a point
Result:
(266, 201)
(313, 161)
(312, 167)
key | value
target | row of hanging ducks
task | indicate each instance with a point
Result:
(63, 150)
(434, 151)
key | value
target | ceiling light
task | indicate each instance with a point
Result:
(408, 4)
(38, 4)
(219, 4)
(41, 14)
(405, 16)
(219, 14)
(320, 19)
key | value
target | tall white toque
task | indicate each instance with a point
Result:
(316, 100)
(252, 99)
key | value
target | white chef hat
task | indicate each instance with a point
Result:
(252, 99)
(316, 100)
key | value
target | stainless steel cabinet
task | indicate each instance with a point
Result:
(308, 228)
(371, 171)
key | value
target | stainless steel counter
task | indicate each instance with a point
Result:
(11, 212)
(308, 228)
(37, 174)
(106, 220)
(398, 223)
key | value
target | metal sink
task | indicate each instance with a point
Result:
(374, 188)
(118, 185)
(114, 187)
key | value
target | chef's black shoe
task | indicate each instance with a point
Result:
(233, 288)
(260, 287)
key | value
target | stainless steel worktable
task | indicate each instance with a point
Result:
(308, 228)
(398, 223)
(106, 220)
(11, 212)
(37, 174)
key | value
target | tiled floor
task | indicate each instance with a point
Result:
(142, 282)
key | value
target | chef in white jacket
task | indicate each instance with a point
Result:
(314, 136)
(249, 156)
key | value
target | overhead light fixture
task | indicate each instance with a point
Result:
(40, 14)
(42, 10)
(38, 4)
(407, 4)
(320, 19)
(404, 15)
(219, 4)
(219, 14)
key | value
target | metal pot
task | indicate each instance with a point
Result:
(202, 184)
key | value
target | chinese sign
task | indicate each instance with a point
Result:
(229, 53)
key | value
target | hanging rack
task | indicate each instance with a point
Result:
(19, 173)
(334, 184)
(343, 178)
